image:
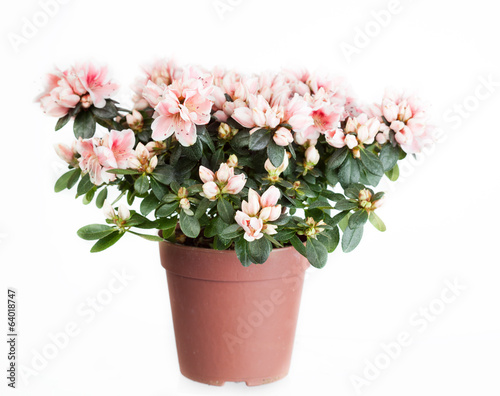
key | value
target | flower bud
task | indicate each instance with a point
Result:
(123, 212)
(232, 161)
(183, 192)
(225, 132)
(365, 195)
(224, 173)
(135, 120)
(235, 184)
(210, 190)
(206, 175)
(283, 137)
(184, 203)
(379, 202)
(311, 158)
(108, 210)
(86, 101)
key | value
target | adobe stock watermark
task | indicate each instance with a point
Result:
(264, 309)
(222, 7)
(419, 321)
(363, 37)
(31, 26)
(460, 112)
(86, 311)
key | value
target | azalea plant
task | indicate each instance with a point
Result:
(222, 160)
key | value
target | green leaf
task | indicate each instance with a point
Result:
(351, 238)
(225, 210)
(123, 172)
(149, 204)
(371, 162)
(377, 222)
(167, 209)
(389, 156)
(344, 221)
(332, 196)
(95, 231)
(165, 174)
(349, 171)
(298, 245)
(74, 178)
(275, 153)
(61, 122)
(358, 219)
(201, 131)
(215, 228)
(259, 250)
(190, 225)
(259, 139)
(159, 190)
(242, 251)
(346, 204)
(316, 253)
(107, 112)
(193, 152)
(153, 238)
(333, 221)
(141, 185)
(337, 158)
(202, 208)
(84, 186)
(63, 181)
(89, 196)
(393, 174)
(99, 202)
(330, 238)
(106, 242)
(231, 232)
(84, 125)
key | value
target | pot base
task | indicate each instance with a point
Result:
(247, 381)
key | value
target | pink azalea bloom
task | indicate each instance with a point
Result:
(270, 197)
(95, 81)
(98, 155)
(252, 207)
(335, 138)
(184, 104)
(252, 226)
(223, 181)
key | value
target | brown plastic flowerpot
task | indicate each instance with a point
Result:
(233, 323)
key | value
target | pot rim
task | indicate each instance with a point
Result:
(180, 245)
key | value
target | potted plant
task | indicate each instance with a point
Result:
(246, 180)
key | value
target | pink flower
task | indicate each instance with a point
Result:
(283, 137)
(98, 155)
(335, 138)
(183, 105)
(407, 118)
(67, 154)
(270, 197)
(252, 226)
(144, 160)
(223, 181)
(235, 184)
(96, 82)
(251, 207)
(84, 83)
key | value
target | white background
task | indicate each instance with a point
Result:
(442, 217)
